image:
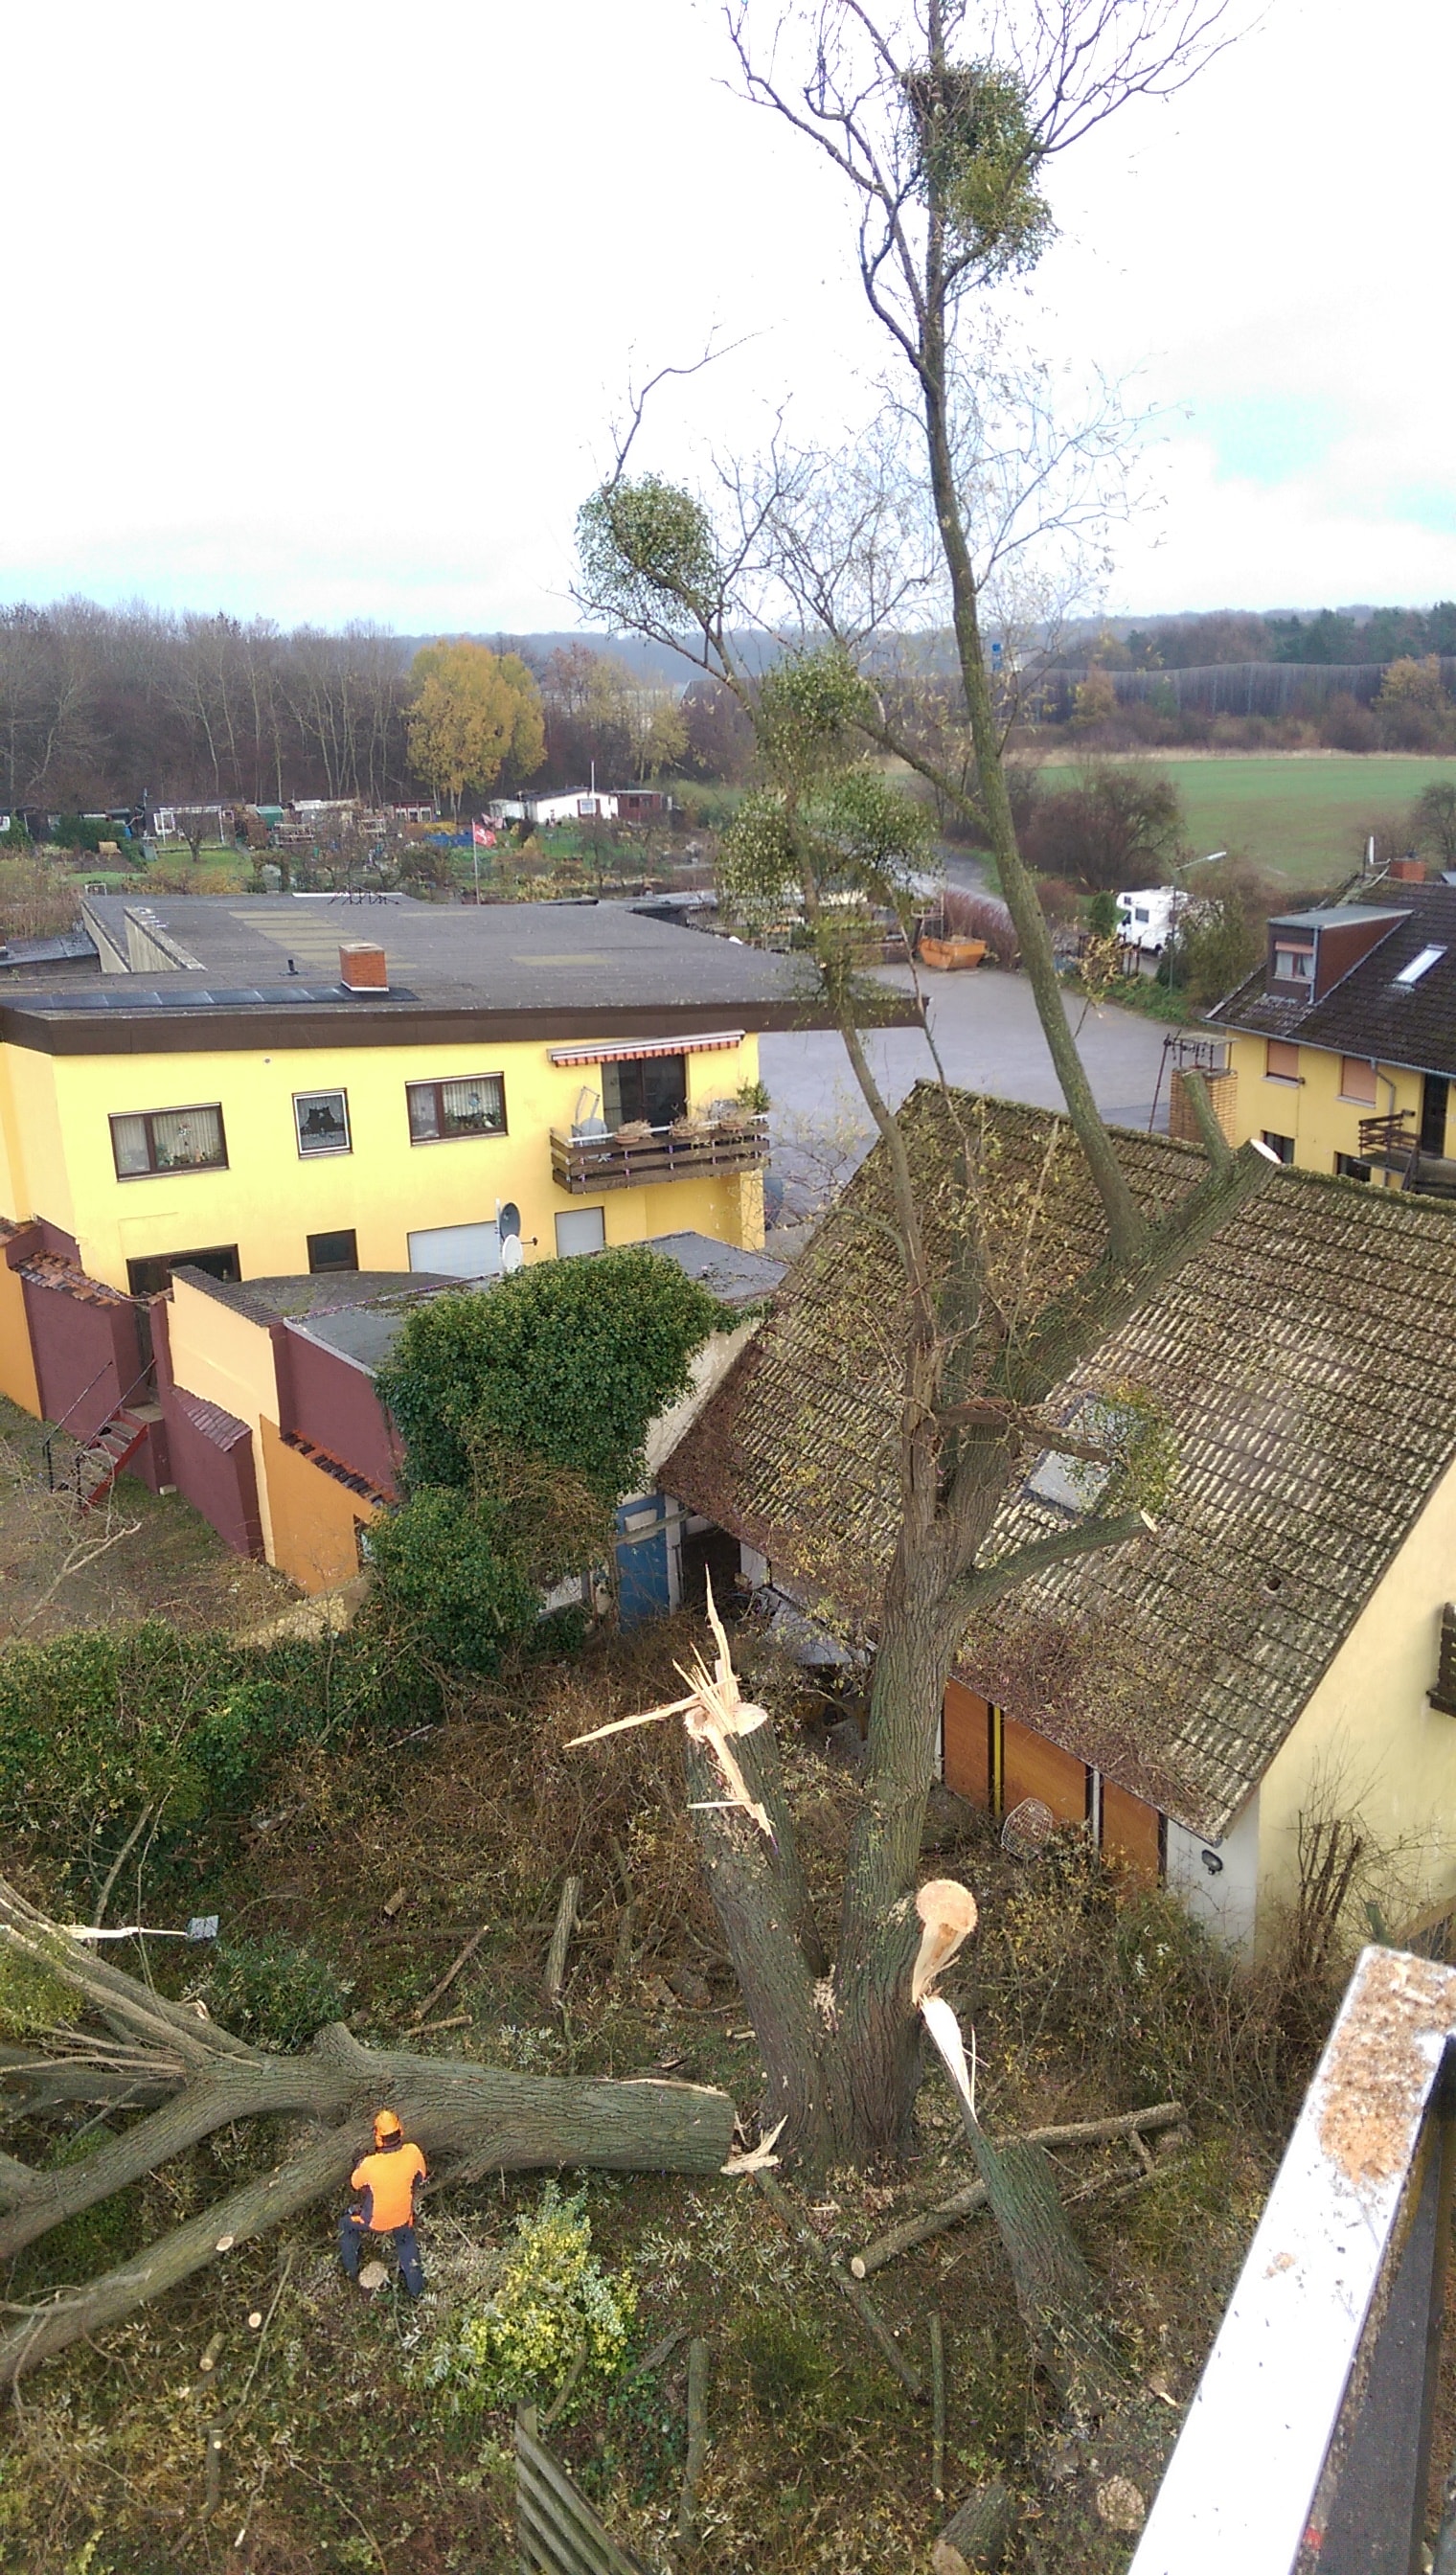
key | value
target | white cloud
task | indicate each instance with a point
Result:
(318, 313)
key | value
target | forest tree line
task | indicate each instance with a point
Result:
(100, 707)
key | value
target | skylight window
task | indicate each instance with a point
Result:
(1419, 965)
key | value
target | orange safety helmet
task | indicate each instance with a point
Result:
(385, 2125)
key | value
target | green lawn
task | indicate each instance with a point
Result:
(1302, 816)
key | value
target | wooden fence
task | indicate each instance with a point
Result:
(557, 2532)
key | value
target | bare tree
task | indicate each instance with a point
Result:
(943, 122)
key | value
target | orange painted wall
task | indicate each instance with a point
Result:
(314, 1517)
(17, 1367)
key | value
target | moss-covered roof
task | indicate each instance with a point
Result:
(1304, 1357)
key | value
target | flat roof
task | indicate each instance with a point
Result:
(1324, 915)
(264, 969)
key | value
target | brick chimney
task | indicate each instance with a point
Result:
(362, 966)
(1407, 870)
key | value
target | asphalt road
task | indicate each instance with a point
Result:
(989, 1037)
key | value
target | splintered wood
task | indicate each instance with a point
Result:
(713, 1713)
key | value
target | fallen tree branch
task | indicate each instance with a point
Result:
(949, 2212)
(858, 2298)
(561, 1940)
(448, 1977)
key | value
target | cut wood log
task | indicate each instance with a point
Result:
(696, 2441)
(466, 2116)
(949, 2212)
(561, 1940)
(973, 2541)
(448, 1977)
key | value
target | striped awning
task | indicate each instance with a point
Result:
(633, 1049)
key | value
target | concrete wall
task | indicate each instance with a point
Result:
(1369, 1737)
(226, 1360)
(17, 1367)
(54, 1125)
(331, 1400)
(1312, 1110)
(1224, 1899)
(315, 1517)
(211, 1454)
(87, 1353)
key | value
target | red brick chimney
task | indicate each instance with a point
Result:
(362, 966)
(1408, 870)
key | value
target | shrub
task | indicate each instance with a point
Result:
(271, 1991)
(551, 2301)
(568, 1362)
(445, 1565)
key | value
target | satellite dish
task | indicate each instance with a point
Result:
(508, 1218)
(513, 1256)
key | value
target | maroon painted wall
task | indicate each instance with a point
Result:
(211, 1454)
(87, 1351)
(332, 1401)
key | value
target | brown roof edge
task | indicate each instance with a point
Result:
(247, 1031)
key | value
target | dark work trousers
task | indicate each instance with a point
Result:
(351, 2238)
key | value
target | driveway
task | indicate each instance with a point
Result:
(989, 1037)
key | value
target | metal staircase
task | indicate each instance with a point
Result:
(100, 1460)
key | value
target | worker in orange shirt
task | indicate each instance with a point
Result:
(386, 2182)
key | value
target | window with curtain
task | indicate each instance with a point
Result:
(475, 1106)
(169, 1140)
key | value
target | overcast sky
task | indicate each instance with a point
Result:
(316, 311)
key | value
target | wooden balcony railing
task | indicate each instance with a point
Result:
(630, 1159)
(1389, 1139)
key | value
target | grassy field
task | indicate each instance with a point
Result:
(1301, 815)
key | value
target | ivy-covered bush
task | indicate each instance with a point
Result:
(551, 2303)
(523, 1412)
(271, 1991)
(568, 1362)
(448, 1569)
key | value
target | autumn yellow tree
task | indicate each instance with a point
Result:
(471, 712)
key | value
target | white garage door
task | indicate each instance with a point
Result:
(460, 1251)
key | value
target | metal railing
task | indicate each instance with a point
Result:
(72, 1470)
(1308, 2443)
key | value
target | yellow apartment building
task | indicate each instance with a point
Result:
(292, 1087)
(283, 1084)
(1341, 1046)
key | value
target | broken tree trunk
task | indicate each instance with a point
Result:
(480, 2117)
(949, 2212)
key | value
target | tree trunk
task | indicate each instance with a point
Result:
(480, 2118)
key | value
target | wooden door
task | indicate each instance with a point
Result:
(966, 1744)
(1130, 1832)
(1032, 1766)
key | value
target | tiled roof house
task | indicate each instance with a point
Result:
(1278, 1635)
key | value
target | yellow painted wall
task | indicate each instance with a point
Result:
(223, 1357)
(17, 1367)
(1370, 1736)
(314, 1517)
(1311, 1108)
(270, 1198)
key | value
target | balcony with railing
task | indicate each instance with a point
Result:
(639, 1157)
